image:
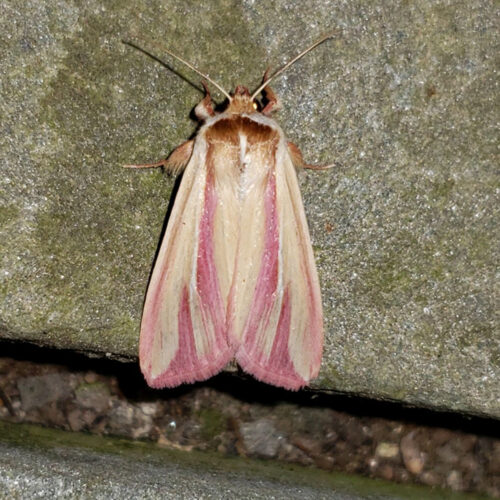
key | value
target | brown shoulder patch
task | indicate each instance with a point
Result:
(229, 129)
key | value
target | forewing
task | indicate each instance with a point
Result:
(183, 330)
(275, 313)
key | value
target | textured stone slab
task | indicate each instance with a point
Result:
(404, 230)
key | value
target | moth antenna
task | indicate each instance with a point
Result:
(289, 63)
(189, 65)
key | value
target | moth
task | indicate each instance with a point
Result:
(235, 276)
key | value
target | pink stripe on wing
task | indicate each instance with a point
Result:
(278, 368)
(186, 366)
(264, 295)
(207, 282)
(314, 339)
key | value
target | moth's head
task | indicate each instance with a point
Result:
(240, 101)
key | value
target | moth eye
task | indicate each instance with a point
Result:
(254, 104)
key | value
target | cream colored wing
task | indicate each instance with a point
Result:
(183, 331)
(274, 310)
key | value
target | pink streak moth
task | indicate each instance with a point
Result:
(235, 275)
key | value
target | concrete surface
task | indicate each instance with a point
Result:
(404, 229)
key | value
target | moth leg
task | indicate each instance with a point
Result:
(161, 163)
(175, 163)
(204, 109)
(273, 101)
(298, 160)
(179, 157)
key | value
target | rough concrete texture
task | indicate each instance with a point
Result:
(404, 229)
(42, 463)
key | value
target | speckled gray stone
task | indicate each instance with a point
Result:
(404, 229)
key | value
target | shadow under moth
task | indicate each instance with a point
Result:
(235, 276)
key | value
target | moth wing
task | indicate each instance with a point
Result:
(183, 331)
(274, 312)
